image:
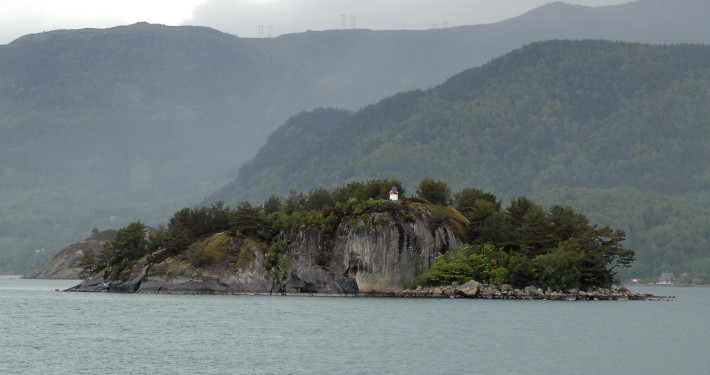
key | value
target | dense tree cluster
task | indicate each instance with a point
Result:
(523, 245)
(670, 233)
(130, 243)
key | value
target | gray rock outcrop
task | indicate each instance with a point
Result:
(65, 265)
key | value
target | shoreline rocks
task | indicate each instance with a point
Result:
(474, 289)
(471, 289)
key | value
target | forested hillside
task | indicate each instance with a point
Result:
(134, 121)
(607, 123)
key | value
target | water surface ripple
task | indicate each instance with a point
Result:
(46, 332)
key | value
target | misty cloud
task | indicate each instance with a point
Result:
(243, 17)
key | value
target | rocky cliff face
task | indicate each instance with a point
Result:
(65, 265)
(373, 253)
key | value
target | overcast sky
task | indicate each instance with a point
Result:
(243, 17)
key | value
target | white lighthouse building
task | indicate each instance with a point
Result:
(394, 194)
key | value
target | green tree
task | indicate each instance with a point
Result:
(246, 220)
(495, 229)
(295, 202)
(88, 263)
(518, 208)
(558, 270)
(602, 255)
(530, 227)
(522, 272)
(272, 204)
(319, 199)
(500, 275)
(481, 262)
(476, 206)
(535, 233)
(218, 217)
(177, 238)
(435, 191)
(446, 271)
(565, 223)
(185, 221)
(157, 239)
(129, 244)
(196, 254)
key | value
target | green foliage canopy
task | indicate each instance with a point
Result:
(129, 245)
(435, 191)
(556, 249)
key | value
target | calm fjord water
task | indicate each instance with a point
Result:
(46, 332)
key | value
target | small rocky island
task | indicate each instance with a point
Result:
(355, 241)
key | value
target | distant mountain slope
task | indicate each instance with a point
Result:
(575, 114)
(561, 113)
(135, 121)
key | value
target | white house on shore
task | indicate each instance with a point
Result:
(666, 278)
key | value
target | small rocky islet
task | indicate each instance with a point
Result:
(368, 254)
(474, 289)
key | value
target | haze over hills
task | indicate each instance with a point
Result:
(138, 121)
(646, 21)
(596, 122)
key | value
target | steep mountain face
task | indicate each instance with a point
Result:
(136, 121)
(590, 115)
(66, 264)
(369, 254)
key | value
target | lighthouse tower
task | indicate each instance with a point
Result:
(394, 194)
